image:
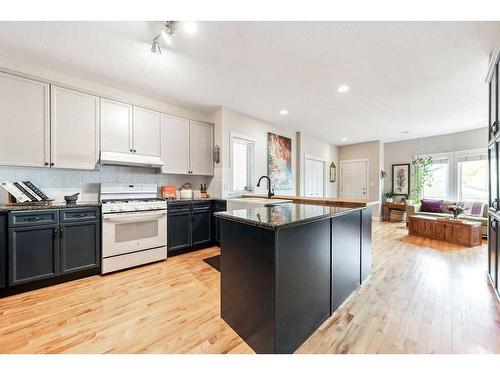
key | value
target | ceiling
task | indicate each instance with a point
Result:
(407, 79)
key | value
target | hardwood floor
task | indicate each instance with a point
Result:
(425, 296)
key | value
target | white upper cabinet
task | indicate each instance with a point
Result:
(201, 140)
(74, 129)
(146, 132)
(25, 134)
(116, 126)
(174, 144)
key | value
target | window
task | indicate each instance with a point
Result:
(473, 177)
(242, 161)
(440, 187)
(459, 176)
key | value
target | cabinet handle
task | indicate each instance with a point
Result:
(37, 218)
(494, 204)
(80, 215)
(494, 127)
(493, 225)
(54, 232)
(61, 232)
(135, 150)
(52, 164)
(45, 163)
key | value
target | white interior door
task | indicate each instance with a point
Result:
(354, 179)
(314, 177)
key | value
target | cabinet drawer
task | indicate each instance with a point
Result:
(178, 207)
(84, 214)
(26, 218)
(201, 206)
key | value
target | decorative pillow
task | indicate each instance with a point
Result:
(472, 208)
(431, 205)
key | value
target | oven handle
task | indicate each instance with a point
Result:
(132, 217)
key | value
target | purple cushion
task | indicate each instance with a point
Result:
(431, 205)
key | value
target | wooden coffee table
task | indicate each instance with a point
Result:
(388, 207)
(463, 232)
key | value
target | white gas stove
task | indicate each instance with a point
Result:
(134, 226)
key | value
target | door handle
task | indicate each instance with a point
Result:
(37, 218)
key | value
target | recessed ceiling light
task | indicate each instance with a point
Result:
(343, 88)
(283, 112)
(343, 139)
(190, 27)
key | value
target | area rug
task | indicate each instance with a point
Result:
(213, 262)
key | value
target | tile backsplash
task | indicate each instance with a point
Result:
(60, 182)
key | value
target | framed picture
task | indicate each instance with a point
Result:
(279, 161)
(401, 179)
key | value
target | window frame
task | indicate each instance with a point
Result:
(453, 172)
(251, 164)
(458, 154)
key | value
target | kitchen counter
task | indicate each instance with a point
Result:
(339, 202)
(283, 215)
(290, 265)
(53, 206)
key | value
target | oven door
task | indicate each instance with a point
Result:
(127, 232)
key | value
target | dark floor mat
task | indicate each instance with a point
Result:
(213, 262)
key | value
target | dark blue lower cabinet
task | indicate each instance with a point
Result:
(179, 230)
(43, 254)
(3, 251)
(200, 227)
(33, 254)
(80, 246)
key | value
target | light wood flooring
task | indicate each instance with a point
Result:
(425, 296)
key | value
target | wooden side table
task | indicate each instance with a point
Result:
(388, 207)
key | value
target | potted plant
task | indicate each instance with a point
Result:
(422, 176)
(456, 211)
(389, 197)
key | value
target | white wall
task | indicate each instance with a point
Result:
(373, 152)
(226, 121)
(404, 151)
(308, 145)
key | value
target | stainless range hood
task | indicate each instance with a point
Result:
(119, 158)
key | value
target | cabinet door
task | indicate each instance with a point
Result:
(346, 264)
(179, 230)
(116, 126)
(74, 129)
(80, 246)
(24, 106)
(200, 226)
(201, 141)
(146, 132)
(174, 144)
(493, 170)
(33, 254)
(493, 117)
(492, 250)
(3, 251)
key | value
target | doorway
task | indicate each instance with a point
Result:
(314, 176)
(354, 179)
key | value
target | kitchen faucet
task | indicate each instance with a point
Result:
(270, 192)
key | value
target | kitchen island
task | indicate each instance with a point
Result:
(286, 268)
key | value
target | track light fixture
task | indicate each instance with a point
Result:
(167, 34)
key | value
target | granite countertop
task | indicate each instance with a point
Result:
(284, 215)
(53, 206)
